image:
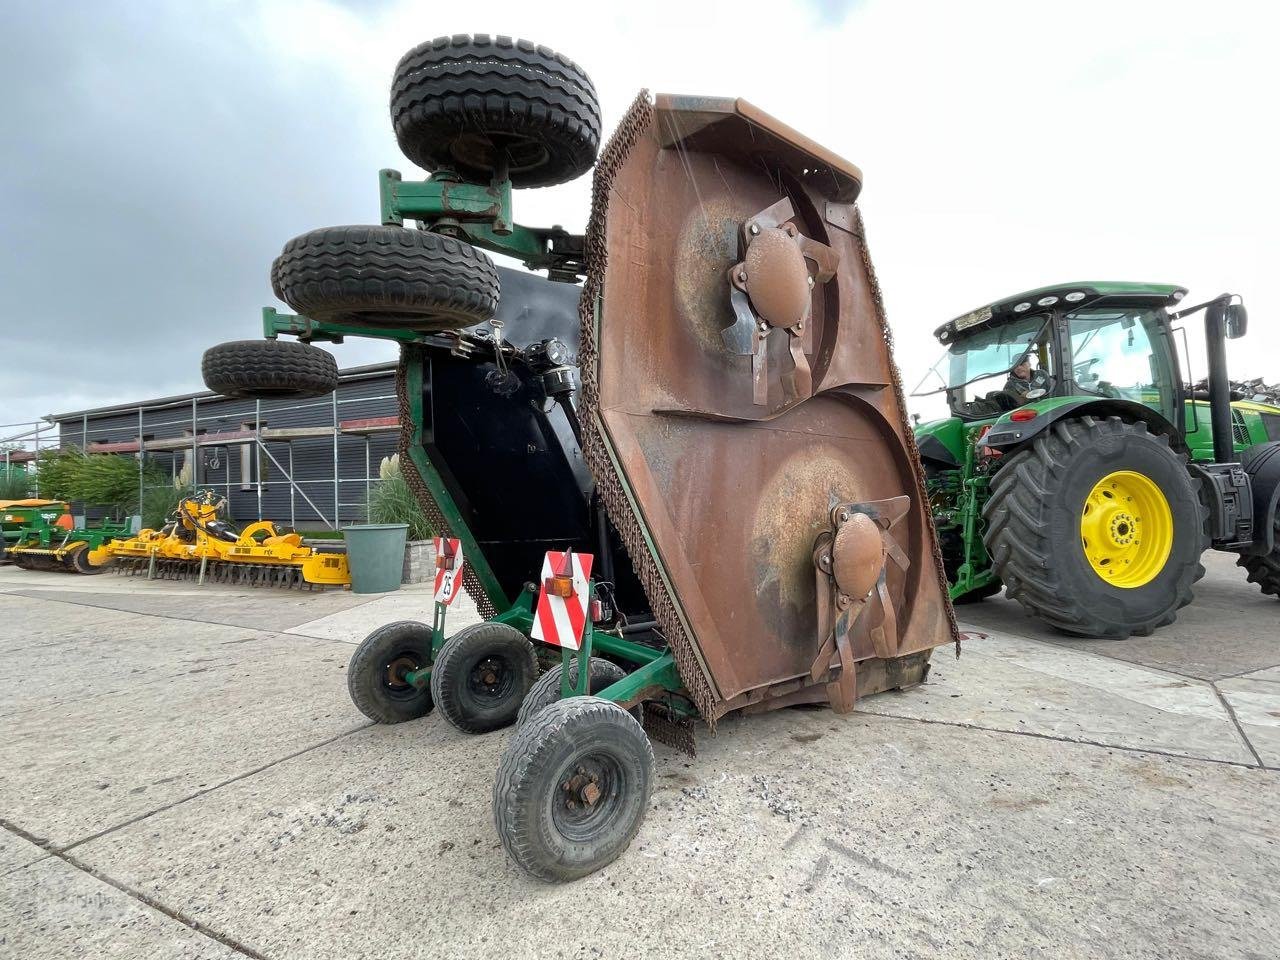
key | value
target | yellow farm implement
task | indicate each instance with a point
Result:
(196, 544)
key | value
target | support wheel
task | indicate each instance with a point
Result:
(601, 673)
(265, 369)
(572, 788)
(478, 105)
(1097, 528)
(78, 560)
(375, 676)
(481, 676)
(393, 276)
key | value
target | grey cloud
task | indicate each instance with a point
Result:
(153, 159)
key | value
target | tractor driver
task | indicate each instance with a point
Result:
(1023, 379)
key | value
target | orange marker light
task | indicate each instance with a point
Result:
(558, 586)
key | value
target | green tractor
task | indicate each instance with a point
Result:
(1078, 471)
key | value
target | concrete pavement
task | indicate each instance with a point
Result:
(184, 776)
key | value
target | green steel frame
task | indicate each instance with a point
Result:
(482, 215)
(975, 571)
(653, 671)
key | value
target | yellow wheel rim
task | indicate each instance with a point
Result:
(1126, 529)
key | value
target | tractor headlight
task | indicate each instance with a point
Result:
(1075, 296)
(1023, 307)
(1047, 301)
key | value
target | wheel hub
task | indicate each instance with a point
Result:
(1126, 529)
(582, 789)
(396, 670)
(490, 678)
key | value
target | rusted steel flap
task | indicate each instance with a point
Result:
(736, 419)
(733, 126)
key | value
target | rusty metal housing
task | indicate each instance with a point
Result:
(743, 417)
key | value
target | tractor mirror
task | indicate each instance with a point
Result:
(1237, 321)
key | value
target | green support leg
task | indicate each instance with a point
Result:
(657, 675)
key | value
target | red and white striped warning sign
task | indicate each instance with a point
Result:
(560, 619)
(448, 569)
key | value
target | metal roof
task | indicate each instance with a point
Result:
(351, 373)
(1081, 293)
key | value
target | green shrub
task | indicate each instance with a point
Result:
(97, 479)
(158, 503)
(391, 501)
(15, 483)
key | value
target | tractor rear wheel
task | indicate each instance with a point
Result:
(572, 788)
(394, 276)
(481, 676)
(1097, 528)
(478, 105)
(264, 369)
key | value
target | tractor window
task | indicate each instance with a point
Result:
(975, 370)
(1117, 352)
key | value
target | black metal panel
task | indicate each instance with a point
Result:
(510, 457)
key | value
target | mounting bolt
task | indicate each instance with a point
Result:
(811, 283)
(753, 229)
(742, 276)
(844, 516)
(764, 327)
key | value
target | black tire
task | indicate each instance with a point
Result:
(548, 825)
(467, 103)
(1033, 528)
(386, 275)
(78, 560)
(1265, 570)
(601, 673)
(376, 668)
(264, 369)
(481, 676)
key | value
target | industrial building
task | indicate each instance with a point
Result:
(307, 463)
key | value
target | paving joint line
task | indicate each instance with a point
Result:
(1235, 722)
(1066, 646)
(165, 616)
(205, 792)
(146, 899)
(1084, 743)
(1245, 674)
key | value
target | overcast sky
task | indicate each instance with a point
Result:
(154, 156)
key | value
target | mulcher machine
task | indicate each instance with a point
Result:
(197, 543)
(692, 478)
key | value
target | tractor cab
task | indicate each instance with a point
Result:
(1080, 340)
